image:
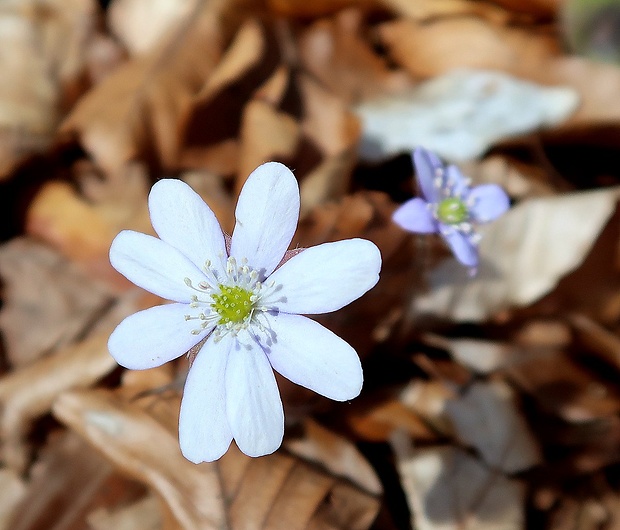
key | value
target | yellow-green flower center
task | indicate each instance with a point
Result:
(232, 304)
(452, 211)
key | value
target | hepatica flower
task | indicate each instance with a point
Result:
(247, 307)
(450, 206)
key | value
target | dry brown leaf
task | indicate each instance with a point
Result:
(28, 393)
(316, 8)
(82, 225)
(428, 400)
(597, 84)
(599, 341)
(543, 8)
(334, 51)
(43, 46)
(138, 109)
(266, 134)
(214, 117)
(13, 491)
(47, 301)
(335, 454)
(424, 10)
(378, 422)
(448, 489)
(564, 388)
(487, 418)
(281, 492)
(64, 480)
(335, 131)
(67, 482)
(126, 19)
(433, 48)
(275, 491)
(145, 450)
(144, 514)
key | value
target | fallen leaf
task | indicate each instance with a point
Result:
(449, 489)
(460, 114)
(28, 393)
(564, 388)
(43, 43)
(81, 224)
(126, 20)
(275, 491)
(336, 53)
(136, 443)
(47, 301)
(317, 8)
(598, 340)
(136, 111)
(68, 481)
(487, 418)
(144, 514)
(427, 10)
(13, 491)
(335, 454)
(431, 48)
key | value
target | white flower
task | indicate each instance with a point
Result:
(250, 314)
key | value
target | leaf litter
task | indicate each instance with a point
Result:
(489, 402)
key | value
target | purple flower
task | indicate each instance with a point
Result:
(247, 307)
(450, 206)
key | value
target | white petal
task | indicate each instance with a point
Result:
(312, 356)
(204, 433)
(153, 337)
(326, 277)
(267, 214)
(153, 265)
(182, 219)
(253, 402)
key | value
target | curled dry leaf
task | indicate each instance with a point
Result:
(336, 54)
(448, 489)
(275, 491)
(138, 108)
(28, 393)
(47, 301)
(256, 146)
(335, 130)
(211, 123)
(523, 256)
(141, 447)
